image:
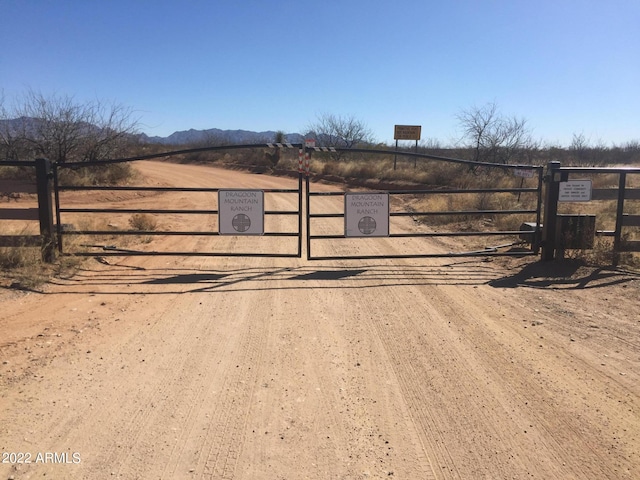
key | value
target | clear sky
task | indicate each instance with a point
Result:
(567, 66)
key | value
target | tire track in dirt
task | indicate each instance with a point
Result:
(423, 350)
(293, 424)
(163, 354)
(562, 393)
(224, 441)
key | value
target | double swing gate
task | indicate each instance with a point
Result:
(356, 224)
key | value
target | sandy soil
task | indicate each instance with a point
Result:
(267, 368)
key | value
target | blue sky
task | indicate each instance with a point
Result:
(567, 66)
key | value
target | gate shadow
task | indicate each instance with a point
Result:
(565, 274)
(123, 279)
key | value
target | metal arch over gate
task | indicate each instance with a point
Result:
(376, 206)
(65, 231)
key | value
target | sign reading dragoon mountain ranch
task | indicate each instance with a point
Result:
(241, 212)
(366, 215)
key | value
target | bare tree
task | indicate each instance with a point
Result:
(339, 132)
(493, 137)
(61, 129)
(9, 149)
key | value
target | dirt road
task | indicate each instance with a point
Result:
(258, 368)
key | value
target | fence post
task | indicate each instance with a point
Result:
(552, 192)
(617, 239)
(45, 211)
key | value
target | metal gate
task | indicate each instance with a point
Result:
(352, 230)
(90, 230)
(563, 230)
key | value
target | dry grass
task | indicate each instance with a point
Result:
(23, 265)
(114, 174)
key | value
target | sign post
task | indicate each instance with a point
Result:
(406, 132)
(240, 212)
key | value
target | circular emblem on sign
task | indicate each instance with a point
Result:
(241, 223)
(367, 225)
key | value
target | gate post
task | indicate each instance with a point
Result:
(45, 211)
(552, 192)
(617, 239)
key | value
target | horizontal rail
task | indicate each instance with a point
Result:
(430, 234)
(427, 255)
(134, 210)
(17, 163)
(136, 253)
(631, 170)
(104, 188)
(168, 234)
(631, 220)
(612, 194)
(458, 191)
(463, 212)
(19, 214)
(437, 192)
(630, 246)
(434, 157)
(176, 152)
(158, 211)
(72, 188)
(419, 214)
(18, 187)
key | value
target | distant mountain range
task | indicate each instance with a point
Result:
(214, 136)
(211, 136)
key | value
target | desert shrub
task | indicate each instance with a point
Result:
(113, 174)
(17, 173)
(12, 258)
(143, 222)
(23, 266)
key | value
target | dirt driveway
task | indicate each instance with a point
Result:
(260, 368)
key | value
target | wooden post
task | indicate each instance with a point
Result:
(45, 211)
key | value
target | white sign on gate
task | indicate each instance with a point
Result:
(366, 214)
(240, 212)
(524, 173)
(575, 191)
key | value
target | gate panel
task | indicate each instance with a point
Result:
(132, 225)
(325, 219)
(613, 210)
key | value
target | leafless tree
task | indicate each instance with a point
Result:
(61, 129)
(339, 132)
(493, 137)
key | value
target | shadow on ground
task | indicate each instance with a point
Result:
(566, 274)
(127, 279)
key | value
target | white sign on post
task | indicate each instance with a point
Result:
(366, 214)
(240, 212)
(575, 191)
